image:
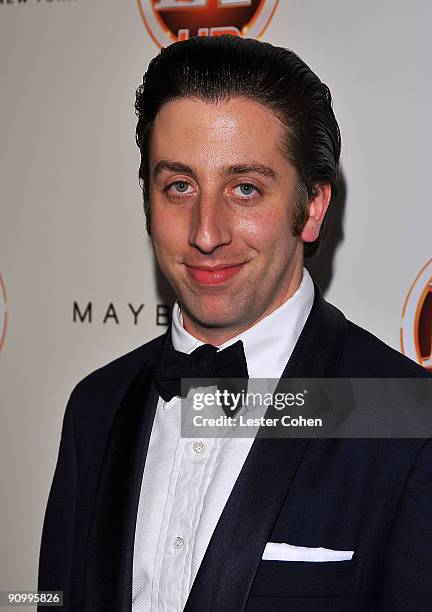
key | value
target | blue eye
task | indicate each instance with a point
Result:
(179, 190)
(245, 190)
(180, 186)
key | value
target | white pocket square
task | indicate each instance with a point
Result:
(275, 551)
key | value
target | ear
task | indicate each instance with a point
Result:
(317, 209)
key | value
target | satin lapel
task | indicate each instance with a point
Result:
(319, 349)
(109, 559)
(229, 566)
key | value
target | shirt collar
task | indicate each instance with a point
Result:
(267, 350)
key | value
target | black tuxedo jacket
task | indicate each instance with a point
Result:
(371, 496)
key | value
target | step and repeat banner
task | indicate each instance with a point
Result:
(78, 285)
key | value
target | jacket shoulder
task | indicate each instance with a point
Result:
(366, 355)
(123, 368)
(96, 397)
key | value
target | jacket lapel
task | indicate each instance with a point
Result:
(230, 563)
(109, 557)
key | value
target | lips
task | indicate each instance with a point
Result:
(213, 276)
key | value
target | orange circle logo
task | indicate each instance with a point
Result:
(416, 327)
(168, 21)
(3, 312)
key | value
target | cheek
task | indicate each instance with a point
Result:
(163, 240)
(264, 229)
(166, 231)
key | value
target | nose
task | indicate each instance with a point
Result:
(210, 224)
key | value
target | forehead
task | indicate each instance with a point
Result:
(203, 132)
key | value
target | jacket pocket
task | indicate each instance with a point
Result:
(308, 578)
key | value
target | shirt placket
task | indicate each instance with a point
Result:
(175, 568)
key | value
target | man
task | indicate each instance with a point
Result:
(239, 164)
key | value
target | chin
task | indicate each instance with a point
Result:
(206, 317)
(212, 321)
(223, 313)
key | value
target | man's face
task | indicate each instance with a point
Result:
(222, 196)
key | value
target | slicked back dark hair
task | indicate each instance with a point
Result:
(216, 69)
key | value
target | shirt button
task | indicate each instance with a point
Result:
(178, 543)
(198, 447)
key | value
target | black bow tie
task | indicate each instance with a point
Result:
(204, 362)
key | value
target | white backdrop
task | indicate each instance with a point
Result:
(72, 225)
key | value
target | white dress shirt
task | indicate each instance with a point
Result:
(187, 482)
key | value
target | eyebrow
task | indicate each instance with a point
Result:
(174, 166)
(246, 168)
